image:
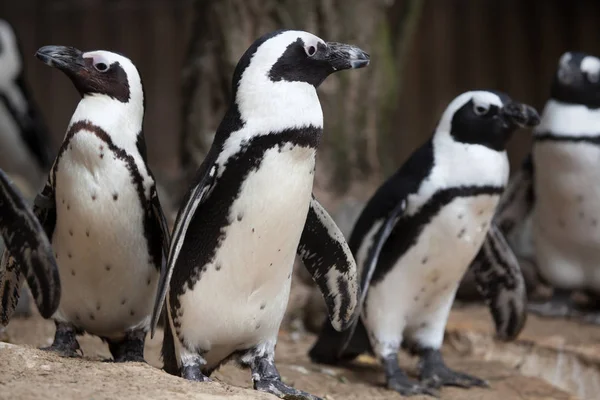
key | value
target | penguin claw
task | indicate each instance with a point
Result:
(63, 351)
(435, 373)
(552, 309)
(406, 387)
(278, 388)
(444, 376)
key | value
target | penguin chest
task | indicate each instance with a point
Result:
(107, 276)
(421, 285)
(566, 215)
(242, 294)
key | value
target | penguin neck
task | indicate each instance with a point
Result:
(568, 120)
(266, 106)
(469, 162)
(122, 121)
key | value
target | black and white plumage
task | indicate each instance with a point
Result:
(100, 208)
(250, 211)
(418, 234)
(551, 210)
(33, 259)
(25, 146)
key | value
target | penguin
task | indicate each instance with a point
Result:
(100, 208)
(418, 234)
(26, 240)
(249, 212)
(550, 212)
(25, 143)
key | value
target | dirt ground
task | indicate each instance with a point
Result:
(28, 373)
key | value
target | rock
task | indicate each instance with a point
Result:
(564, 353)
(29, 373)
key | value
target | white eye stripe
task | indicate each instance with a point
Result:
(480, 108)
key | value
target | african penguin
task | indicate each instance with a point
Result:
(551, 210)
(100, 208)
(33, 259)
(418, 234)
(25, 147)
(250, 211)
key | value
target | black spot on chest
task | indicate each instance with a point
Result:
(206, 229)
(407, 231)
(151, 226)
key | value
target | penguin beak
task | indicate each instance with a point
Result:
(519, 115)
(344, 56)
(67, 59)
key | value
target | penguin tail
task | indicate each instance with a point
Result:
(328, 348)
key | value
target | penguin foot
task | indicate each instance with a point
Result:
(193, 373)
(130, 349)
(399, 382)
(407, 387)
(65, 341)
(551, 309)
(435, 373)
(591, 318)
(266, 377)
(276, 387)
(560, 305)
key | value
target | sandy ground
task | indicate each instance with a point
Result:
(28, 373)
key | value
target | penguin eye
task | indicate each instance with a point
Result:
(101, 67)
(481, 109)
(311, 50)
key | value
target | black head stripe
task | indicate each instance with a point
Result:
(232, 121)
(295, 66)
(571, 85)
(112, 83)
(245, 59)
(487, 130)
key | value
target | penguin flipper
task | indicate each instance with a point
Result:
(518, 198)
(328, 258)
(196, 196)
(28, 253)
(379, 239)
(159, 217)
(501, 283)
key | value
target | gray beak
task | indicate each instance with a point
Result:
(68, 59)
(344, 56)
(518, 114)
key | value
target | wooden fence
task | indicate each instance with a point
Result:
(510, 45)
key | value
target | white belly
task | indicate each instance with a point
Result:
(415, 296)
(566, 217)
(242, 295)
(108, 281)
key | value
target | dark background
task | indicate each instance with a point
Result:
(454, 46)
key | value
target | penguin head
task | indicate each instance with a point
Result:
(486, 118)
(577, 80)
(10, 55)
(296, 56)
(96, 73)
